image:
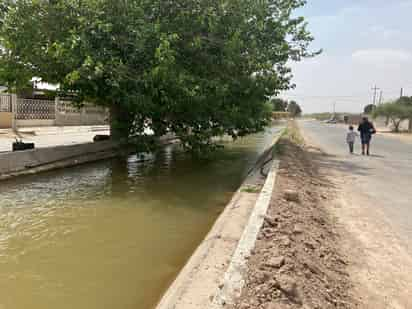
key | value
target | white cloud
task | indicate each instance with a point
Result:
(382, 55)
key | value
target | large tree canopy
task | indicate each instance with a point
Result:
(195, 68)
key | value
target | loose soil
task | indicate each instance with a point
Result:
(298, 260)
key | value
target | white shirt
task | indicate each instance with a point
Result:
(351, 137)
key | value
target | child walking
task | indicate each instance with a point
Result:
(351, 138)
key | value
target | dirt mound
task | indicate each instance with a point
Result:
(297, 262)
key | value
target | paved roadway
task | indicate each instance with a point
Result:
(385, 177)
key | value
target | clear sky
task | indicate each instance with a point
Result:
(365, 43)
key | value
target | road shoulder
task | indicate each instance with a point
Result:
(298, 261)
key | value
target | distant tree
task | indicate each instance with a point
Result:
(407, 101)
(279, 105)
(294, 109)
(395, 112)
(369, 109)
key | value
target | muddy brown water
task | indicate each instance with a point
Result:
(112, 234)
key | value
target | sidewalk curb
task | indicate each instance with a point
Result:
(234, 279)
(44, 131)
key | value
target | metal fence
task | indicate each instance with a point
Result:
(32, 112)
(29, 109)
(5, 103)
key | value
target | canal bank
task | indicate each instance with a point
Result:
(214, 275)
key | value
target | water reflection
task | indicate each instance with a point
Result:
(115, 233)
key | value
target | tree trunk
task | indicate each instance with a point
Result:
(396, 125)
(120, 122)
(410, 125)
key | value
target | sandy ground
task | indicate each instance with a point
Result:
(298, 261)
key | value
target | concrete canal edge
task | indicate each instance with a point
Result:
(234, 279)
(13, 164)
(20, 163)
(214, 275)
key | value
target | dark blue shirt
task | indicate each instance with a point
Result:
(366, 128)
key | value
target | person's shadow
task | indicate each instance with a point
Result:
(376, 156)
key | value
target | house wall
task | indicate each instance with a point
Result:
(6, 120)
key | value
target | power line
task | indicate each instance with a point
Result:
(356, 95)
(389, 93)
(323, 96)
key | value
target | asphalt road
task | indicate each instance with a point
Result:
(384, 178)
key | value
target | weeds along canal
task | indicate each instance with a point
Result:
(113, 234)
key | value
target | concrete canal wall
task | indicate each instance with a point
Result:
(20, 163)
(32, 161)
(213, 276)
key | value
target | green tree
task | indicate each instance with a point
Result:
(407, 101)
(195, 68)
(4, 7)
(395, 112)
(279, 105)
(369, 109)
(294, 109)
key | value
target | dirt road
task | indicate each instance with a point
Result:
(374, 209)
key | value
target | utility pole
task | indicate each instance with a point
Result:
(380, 97)
(375, 90)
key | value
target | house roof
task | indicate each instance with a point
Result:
(39, 85)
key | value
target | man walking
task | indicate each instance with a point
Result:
(366, 130)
